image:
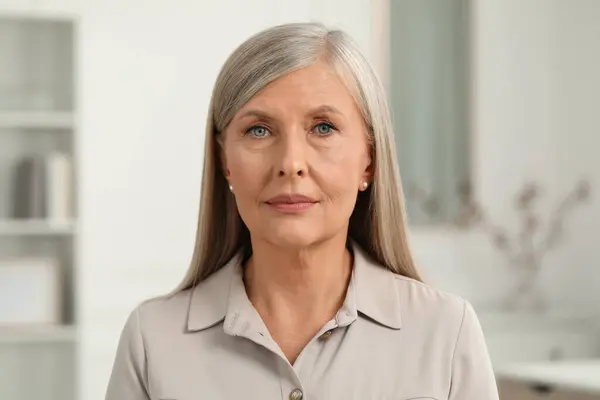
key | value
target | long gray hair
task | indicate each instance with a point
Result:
(378, 222)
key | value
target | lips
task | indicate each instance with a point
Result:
(291, 203)
(291, 199)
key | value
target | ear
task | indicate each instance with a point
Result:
(220, 152)
(369, 171)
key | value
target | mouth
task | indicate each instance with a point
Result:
(291, 203)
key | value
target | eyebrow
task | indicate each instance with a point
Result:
(324, 109)
(264, 115)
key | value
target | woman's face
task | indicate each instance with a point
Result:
(296, 156)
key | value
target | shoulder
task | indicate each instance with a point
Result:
(426, 306)
(442, 322)
(160, 313)
(427, 295)
(197, 308)
(166, 304)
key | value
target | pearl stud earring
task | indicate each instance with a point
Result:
(230, 188)
(365, 185)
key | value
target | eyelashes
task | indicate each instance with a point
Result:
(323, 129)
(328, 128)
(258, 131)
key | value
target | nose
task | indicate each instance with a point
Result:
(292, 156)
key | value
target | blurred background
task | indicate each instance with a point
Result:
(102, 114)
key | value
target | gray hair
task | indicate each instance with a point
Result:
(378, 222)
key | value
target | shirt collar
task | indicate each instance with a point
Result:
(372, 291)
(377, 291)
(209, 298)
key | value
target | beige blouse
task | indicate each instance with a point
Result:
(393, 338)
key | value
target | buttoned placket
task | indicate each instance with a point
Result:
(317, 351)
(252, 327)
(295, 379)
(243, 320)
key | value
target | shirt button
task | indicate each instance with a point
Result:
(327, 334)
(296, 394)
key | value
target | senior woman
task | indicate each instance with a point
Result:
(302, 284)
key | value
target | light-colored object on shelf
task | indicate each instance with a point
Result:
(30, 291)
(43, 187)
(576, 375)
(59, 187)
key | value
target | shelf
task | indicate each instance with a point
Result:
(36, 120)
(36, 228)
(37, 334)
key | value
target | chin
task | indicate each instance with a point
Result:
(292, 241)
(293, 237)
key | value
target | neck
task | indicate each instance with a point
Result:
(296, 286)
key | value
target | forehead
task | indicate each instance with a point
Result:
(309, 87)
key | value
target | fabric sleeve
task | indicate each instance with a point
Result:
(129, 378)
(472, 373)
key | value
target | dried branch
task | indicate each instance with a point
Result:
(579, 194)
(521, 251)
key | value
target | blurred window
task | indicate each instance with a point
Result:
(428, 85)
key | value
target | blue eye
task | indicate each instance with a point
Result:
(258, 131)
(323, 128)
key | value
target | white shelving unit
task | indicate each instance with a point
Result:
(38, 119)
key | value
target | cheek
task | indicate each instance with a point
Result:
(247, 170)
(338, 170)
